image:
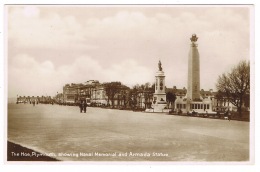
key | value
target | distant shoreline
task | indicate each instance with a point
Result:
(16, 152)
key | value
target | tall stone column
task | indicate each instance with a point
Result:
(193, 91)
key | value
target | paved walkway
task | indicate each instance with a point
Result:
(116, 135)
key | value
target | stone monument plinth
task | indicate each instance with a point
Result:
(159, 97)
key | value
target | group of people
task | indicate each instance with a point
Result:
(33, 102)
(83, 106)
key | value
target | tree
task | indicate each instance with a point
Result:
(148, 95)
(111, 89)
(124, 96)
(141, 94)
(134, 95)
(235, 85)
(170, 98)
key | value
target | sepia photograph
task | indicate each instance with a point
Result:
(130, 83)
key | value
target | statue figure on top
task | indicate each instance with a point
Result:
(160, 65)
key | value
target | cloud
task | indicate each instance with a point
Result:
(29, 77)
(126, 44)
(86, 68)
(25, 75)
(31, 30)
(129, 72)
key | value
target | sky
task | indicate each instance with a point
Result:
(49, 46)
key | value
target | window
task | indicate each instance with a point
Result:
(207, 106)
(184, 106)
(195, 106)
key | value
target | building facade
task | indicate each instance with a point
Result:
(71, 93)
(94, 93)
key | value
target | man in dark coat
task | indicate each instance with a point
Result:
(81, 106)
(85, 106)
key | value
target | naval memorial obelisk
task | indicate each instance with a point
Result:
(193, 91)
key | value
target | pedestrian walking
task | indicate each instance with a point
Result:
(229, 115)
(85, 106)
(81, 106)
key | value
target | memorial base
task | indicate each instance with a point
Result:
(158, 108)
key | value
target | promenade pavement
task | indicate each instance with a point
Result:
(116, 135)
